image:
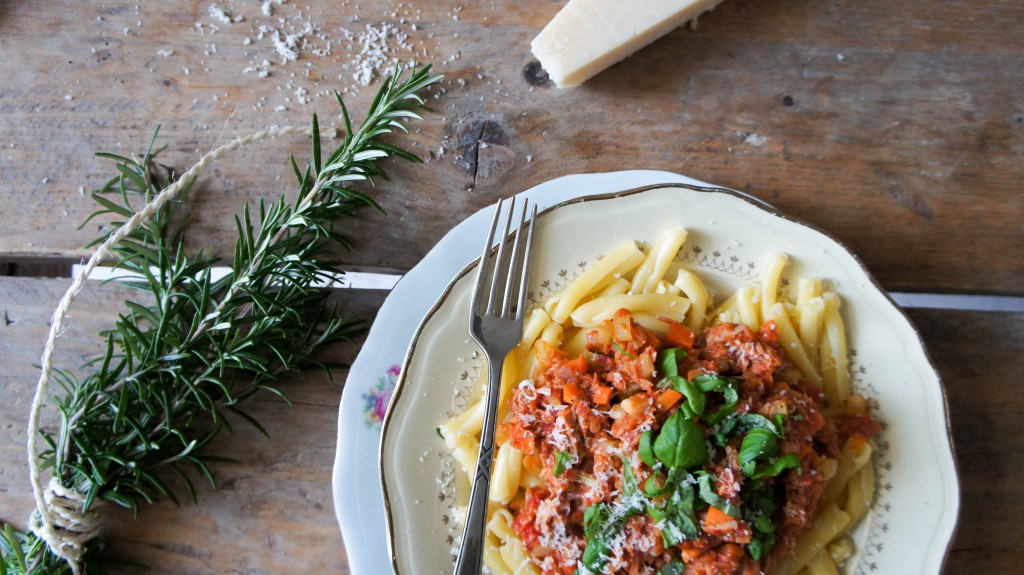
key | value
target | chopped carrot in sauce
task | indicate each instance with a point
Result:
(668, 398)
(599, 407)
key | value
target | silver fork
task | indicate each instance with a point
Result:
(497, 331)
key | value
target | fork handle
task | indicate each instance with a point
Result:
(471, 552)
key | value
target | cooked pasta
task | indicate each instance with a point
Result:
(645, 430)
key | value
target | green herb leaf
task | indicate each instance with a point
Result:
(646, 449)
(670, 361)
(681, 443)
(651, 489)
(732, 398)
(739, 423)
(562, 461)
(621, 351)
(711, 497)
(777, 466)
(676, 567)
(713, 382)
(682, 520)
(597, 528)
(758, 443)
(656, 514)
(695, 401)
(758, 508)
(601, 524)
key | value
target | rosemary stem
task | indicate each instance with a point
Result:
(170, 363)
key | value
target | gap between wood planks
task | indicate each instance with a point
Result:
(386, 279)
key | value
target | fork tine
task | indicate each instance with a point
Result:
(481, 271)
(524, 277)
(506, 308)
(499, 259)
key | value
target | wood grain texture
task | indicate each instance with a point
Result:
(274, 512)
(978, 357)
(896, 128)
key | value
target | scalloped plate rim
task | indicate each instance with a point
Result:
(951, 500)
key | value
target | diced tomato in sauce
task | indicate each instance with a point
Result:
(595, 440)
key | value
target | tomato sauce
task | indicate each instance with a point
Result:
(584, 420)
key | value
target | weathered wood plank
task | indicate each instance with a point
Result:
(273, 513)
(978, 357)
(899, 134)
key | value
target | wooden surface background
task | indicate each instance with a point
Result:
(896, 126)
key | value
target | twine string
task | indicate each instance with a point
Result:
(60, 517)
(71, 525)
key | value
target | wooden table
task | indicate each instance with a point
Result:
(896, 126)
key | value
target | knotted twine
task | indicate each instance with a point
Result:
(60, 518)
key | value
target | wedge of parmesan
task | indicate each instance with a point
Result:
(588, 36)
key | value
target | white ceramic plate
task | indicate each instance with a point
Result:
(911, 524)
(918, 499)
(358, 502)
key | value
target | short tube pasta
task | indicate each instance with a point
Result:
(654, 266)
(589, 313)
(594, 312)
(694, 290)
(771, 281)
(566, 300)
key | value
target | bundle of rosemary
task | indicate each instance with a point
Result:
(195, 347)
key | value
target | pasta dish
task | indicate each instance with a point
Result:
(645, 430)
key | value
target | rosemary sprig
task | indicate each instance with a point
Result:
(193, 348)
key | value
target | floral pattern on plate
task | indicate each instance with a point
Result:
(376, 401)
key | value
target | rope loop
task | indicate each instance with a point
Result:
(71, 526)
(59, 518)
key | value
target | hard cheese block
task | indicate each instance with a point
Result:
(587, 36)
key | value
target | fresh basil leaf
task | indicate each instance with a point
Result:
(601, 525)
(758, 508)
(597, 527)
(651, 489)
(678, 522)
(761, 444)
(732, 397)
(595, 554)
(758, 443)
(647, 449)
(695, 400)
(779, 419)
(670, 361)
(748, 421)
(681, 514)
(708, 494)
(670, 535)
(760, 546)
(739, 423)
(562, 461)
(676, 567)
(630, 486)
(757, 504)
(681, 443)
(713, 382)
(777, 466)
(655, 513)
(595, 518)
(675, 475)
